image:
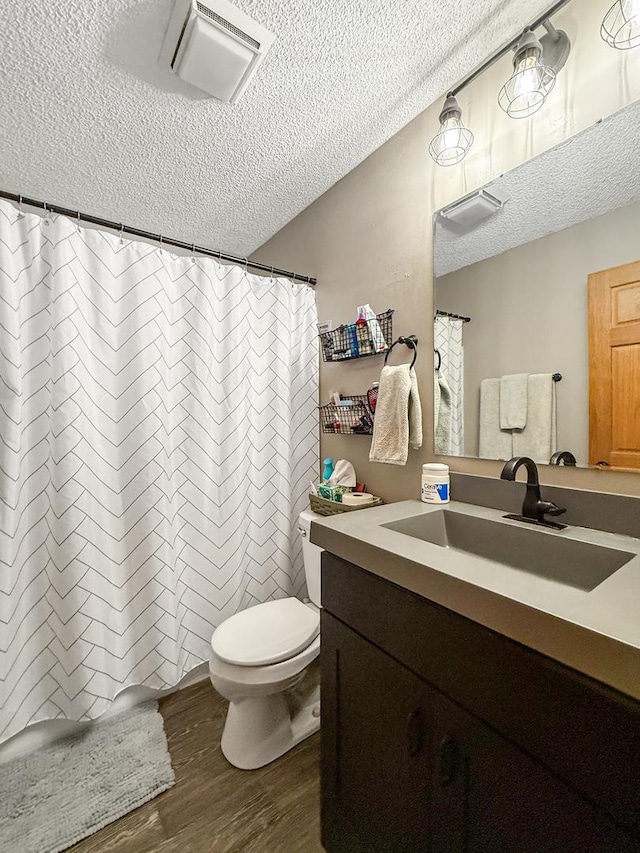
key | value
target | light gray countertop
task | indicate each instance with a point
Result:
(596, 632)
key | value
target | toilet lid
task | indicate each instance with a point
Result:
(267, 633)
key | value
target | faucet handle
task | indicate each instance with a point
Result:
(549, 508)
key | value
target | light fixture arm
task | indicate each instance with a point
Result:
(551, 30)
(556, 46)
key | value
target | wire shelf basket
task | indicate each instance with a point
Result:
(354, 417)
(358, 340)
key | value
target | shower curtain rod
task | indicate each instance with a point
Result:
(453, 316)
(159, 238)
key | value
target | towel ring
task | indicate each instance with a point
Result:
(437, 352)
(411, 342)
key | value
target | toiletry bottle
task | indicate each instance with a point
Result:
(353, 340)
(372, 397)
(365, 344)
(435, 483)
(327, 469)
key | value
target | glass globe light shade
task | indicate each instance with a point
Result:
(621, 25)
(450, 145)
(531, 82)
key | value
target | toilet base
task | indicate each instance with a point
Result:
(262, 728)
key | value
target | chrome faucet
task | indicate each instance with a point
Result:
(534, 508)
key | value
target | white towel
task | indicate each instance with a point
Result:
(494, 442)
(415, 413)
(398, 420)
(513, 401)
(442, 416)
(538, 438)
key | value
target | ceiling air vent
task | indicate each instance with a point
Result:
(215, 47)
(473, 208)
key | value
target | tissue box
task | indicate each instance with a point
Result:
(333, 493)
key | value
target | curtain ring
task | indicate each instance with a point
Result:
(121, 233)
(20, 211)
(160, 243)
(47, 221)
(271, 273)
(246, 261)
(78, 218)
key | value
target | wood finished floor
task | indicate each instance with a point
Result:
(213, 807)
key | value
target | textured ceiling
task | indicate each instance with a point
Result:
(91, 120)
(595, 172)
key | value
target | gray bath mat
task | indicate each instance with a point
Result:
(56, 796)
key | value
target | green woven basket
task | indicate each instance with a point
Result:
(324, 507)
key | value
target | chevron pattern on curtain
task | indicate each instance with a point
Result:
(158, 431)
(447, 339)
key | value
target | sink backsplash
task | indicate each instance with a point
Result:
(597, 510)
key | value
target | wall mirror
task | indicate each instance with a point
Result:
(541, 272)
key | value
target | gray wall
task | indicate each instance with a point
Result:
(529, 315)
(369, 238)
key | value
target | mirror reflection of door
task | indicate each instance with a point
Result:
(614, 367)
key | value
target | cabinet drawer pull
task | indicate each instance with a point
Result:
(415, 731)
(448, 760)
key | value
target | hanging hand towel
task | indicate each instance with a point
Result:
(415, 413)
(513, 401)
(538, 438)
(494, 442)
(442, 416)
(398, 420)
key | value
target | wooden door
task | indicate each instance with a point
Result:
(614, 367)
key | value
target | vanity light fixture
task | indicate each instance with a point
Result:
(621, 25)
(535, 64)
(450, 145)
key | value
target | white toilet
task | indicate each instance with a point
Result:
(260, 661)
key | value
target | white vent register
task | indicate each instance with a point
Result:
(215, 47)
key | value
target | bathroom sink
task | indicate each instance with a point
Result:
(545, 554)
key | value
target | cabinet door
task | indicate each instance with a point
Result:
(376, 737)
(506, 801)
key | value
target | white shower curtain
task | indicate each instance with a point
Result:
(158, 431)
(447, 335)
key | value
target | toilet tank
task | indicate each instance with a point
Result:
(311, 555)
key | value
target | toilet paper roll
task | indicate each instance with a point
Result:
(357, 499)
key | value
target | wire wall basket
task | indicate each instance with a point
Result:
(358, 340)
(353, 417)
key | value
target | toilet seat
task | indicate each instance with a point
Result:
(260, 680)
(266, 634)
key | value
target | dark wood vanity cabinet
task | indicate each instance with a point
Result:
(406, 767)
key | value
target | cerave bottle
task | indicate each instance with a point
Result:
(435, 483)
